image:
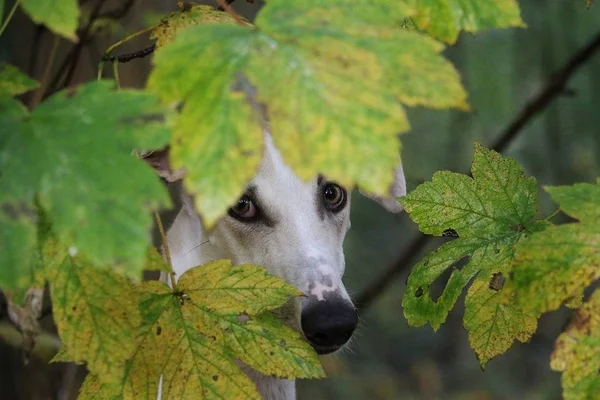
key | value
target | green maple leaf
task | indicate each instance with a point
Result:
(345, 76)
(445, 19)
(577, 352)
(193, 335)
(95, 311)
(13, 81)
(73, 154)
(61, 17)
(487, 214)
(565, 257)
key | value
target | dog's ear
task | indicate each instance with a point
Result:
(159, 161)
(396, 189)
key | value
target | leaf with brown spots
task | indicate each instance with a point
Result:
(565, 258)
(194, 14)
(192, 336)
(95, 311)
(486, 215)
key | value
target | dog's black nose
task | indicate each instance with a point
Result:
(329, 324)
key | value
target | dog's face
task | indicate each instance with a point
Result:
(296, 230)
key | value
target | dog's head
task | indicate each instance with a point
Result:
(295, 230)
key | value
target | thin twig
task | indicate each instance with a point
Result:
(553, 88)
(9, 16)
(125, 58)
(224, 4)
(35, 48)
(163, 238)
(46, 345)
(228, 2)
(39, 93)
(71, 59)
(106, 56)
(72, 56)
(118, 13)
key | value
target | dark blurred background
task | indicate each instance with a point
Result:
(502, 70)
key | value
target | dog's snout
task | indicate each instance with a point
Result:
(328, 325)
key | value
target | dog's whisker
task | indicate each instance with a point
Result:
(195, 247)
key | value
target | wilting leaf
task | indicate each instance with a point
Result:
(445, 19)
(577, 352)
(61, 17)
(95, 310)
(73, 153)
(564, 258)
(345, 65)
(487, 215)
(196, 14)
(13, 81)
(193, 335)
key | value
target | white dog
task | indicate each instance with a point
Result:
(295, 230)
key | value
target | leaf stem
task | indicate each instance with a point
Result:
(163, 238)
(554, 214)
(116, 73)
(9, 16)
(39, 93)
(106, 55)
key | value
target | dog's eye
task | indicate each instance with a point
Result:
(334, 197)
(244, 210)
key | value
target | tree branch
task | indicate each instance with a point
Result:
(70, 61)
(553, 88)
(46, 345)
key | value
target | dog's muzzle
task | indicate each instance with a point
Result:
(329, 324)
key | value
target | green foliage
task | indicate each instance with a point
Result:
(577, 352)
(192, 335)
(13, 81)
(61, 17)
(332, 79)
(69, 155)
(564, 257)
(17, 241)
(487, 214)
(513, 261)
(445, 19)
(95, 311)
(329, 118)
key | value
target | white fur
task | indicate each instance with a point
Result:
(303, 247)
